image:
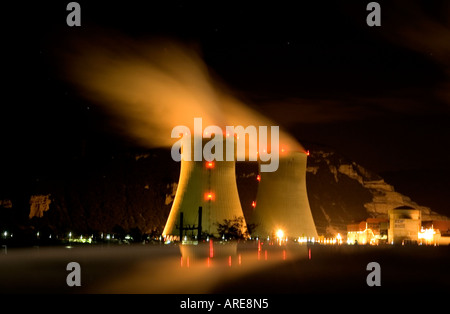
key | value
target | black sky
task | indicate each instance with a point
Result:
(377, 94)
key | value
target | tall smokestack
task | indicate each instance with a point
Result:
(282, 200)
(207, 184)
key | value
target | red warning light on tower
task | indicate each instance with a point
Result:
(209, 196)
(210, 164)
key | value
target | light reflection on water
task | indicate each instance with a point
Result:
(135, 268)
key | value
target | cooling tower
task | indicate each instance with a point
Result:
(209, 185)
(282, 201)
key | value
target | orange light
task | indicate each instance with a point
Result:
(211, 248)
(229, 260)
(282, 150)
(259, 250)
(258, 177)
(253, 204)
(239, 259)
(210, 164)
(209, 196)
(307, 153)
(280, 234)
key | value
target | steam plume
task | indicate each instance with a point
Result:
(154, 86)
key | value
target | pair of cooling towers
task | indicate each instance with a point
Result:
(281, 202)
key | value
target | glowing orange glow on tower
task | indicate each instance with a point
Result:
(209, 196)
(258, 177)
(210, 164)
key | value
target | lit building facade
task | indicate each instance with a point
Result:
(435, 232)
(404, 225)
(370, 231)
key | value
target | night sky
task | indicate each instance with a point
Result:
(379, 95)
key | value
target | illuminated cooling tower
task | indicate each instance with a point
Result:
(209, 185)
(282, 201)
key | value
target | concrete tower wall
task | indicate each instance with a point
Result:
(282, 200)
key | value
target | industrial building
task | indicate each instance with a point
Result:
(401, 227)
(404, 225)
(371, 231)
(435, 232)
